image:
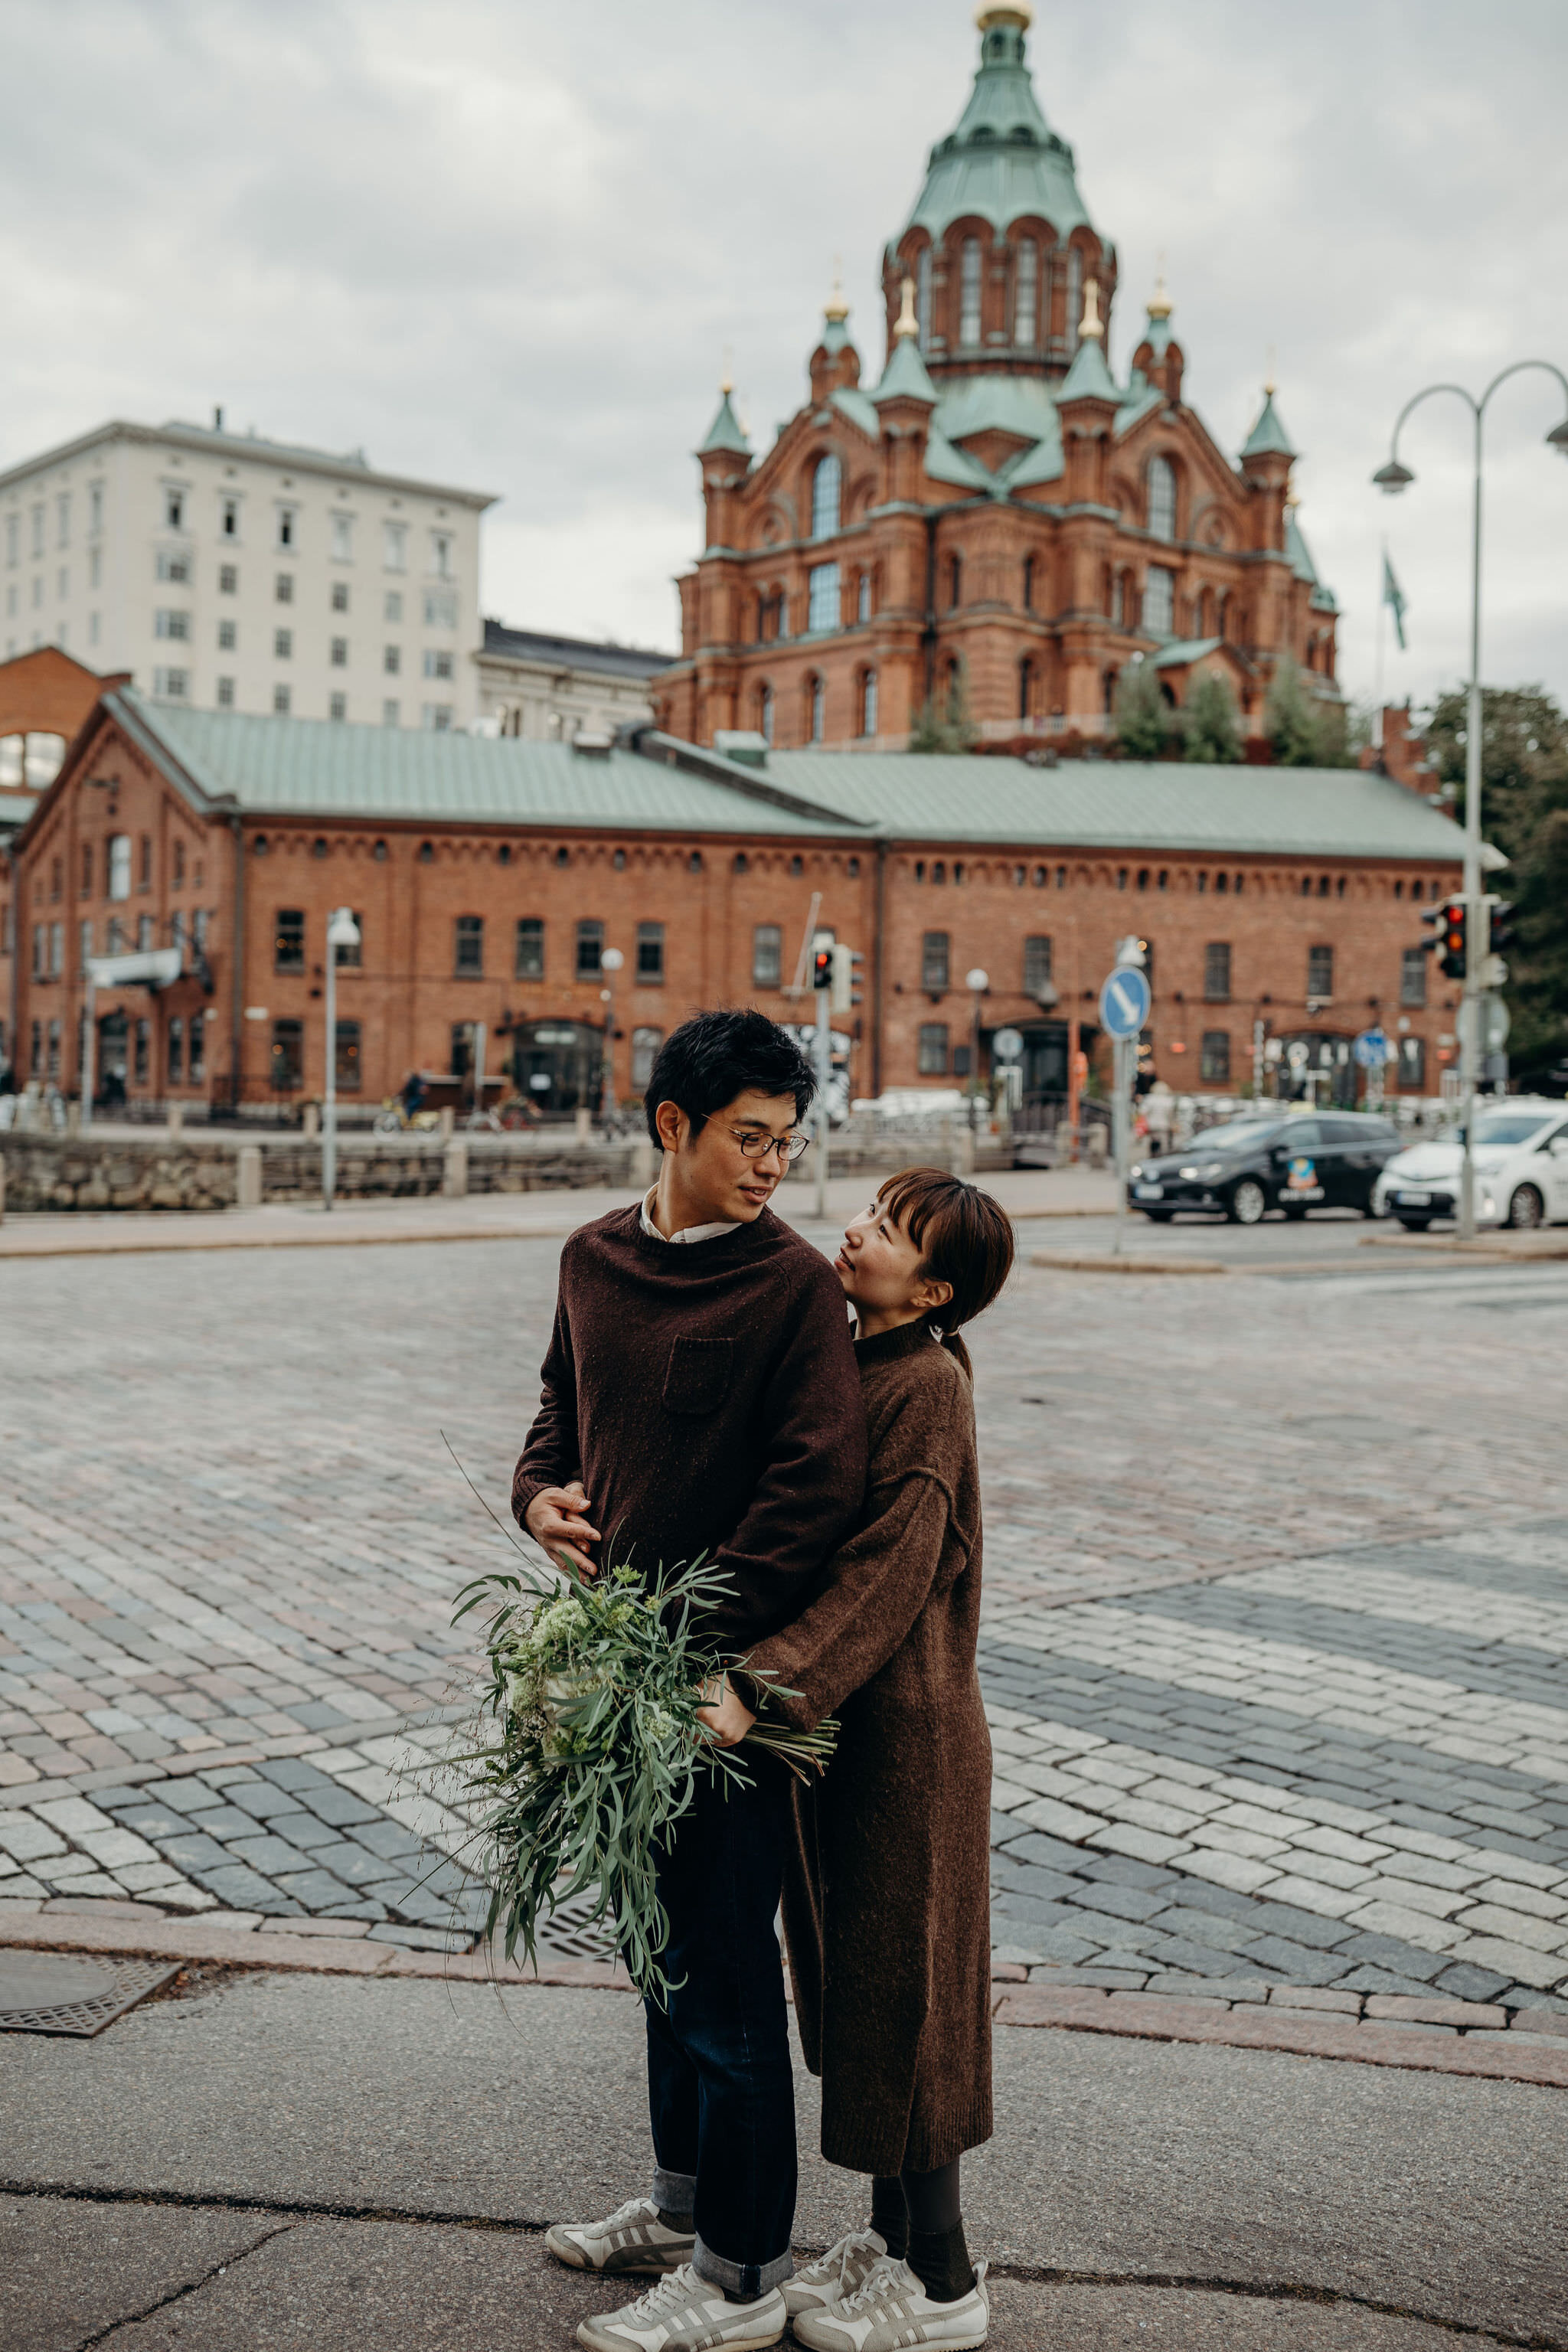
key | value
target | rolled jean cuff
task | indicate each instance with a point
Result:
(674, 2192)
(748, 2280)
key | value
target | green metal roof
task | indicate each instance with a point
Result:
(905, 377)
(1186, 649)
(1267, 437)
(1124, 804)
(726, 431)
(856, 405)
(1003, 162)
(311, 766)
(1089, 378)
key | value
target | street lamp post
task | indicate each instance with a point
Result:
(611, 962)
(977, 982)
(1392, 479)
(343, 931)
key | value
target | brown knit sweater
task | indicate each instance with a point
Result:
(887, 1901)
(707, 1397)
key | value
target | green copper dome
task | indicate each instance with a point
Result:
(1003, 162)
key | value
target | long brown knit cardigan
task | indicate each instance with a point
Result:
(887, 1911)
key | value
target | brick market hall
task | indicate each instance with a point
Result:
(889, 720)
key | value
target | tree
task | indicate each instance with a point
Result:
(1525, 810)
(1290, 720)
(1143, 721)
(943, 722)
(1213, 722)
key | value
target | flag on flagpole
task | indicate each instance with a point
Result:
(1393, 597)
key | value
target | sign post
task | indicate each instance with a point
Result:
(1124, 1004)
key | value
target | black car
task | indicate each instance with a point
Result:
(1293, 1162)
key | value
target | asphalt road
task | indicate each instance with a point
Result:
(343, 2163)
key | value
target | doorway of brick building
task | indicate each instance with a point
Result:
(556, 1065)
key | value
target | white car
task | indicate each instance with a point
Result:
(1521, 1165)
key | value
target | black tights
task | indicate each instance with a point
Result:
(921, 2217)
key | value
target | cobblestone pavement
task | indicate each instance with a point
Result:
(1276, 1634)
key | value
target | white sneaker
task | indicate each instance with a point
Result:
(684, 2313)
(632, 2241)
(891, 2310)
(823, 2284)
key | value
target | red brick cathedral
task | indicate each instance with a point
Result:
(1000, 525)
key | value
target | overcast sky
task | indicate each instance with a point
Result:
(508, 245)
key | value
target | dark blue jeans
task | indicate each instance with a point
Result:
(720, 2084)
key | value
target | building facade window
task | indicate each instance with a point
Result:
(53, 1069)
(645, 1044)
(348, 1061)
(288, 527)
(394, 546)
(337, 705)
(226, 694)
(1159, 601)
(1413, 1065)
(288, 939)
(1413, 976)
(288, 1069)
(931, 1049)
(391, 660)
(1320, 971)
(869, 702)
(146, 941)
(468, 947)
(530, 959)
(339, 653)
(171, 685)
(282, 701)
(1037, 965)
(827, 488)
(198, 1052)
(175, 624)
(863, 597)
(228, 580)
(228, 636)
(437, 662)
(1216, 972)
(342, 539)
(969, 318)
(350, 958)
(767, 956)
(589, 949)
(765, 713)
(650, 955)
(283, 644)
(1162, 491)
(229, 518)
(821, 602)
(935, 960)
(1214, 1058)
(1075, 296)
(176, 1050)
(119, 866)
(1025, 294)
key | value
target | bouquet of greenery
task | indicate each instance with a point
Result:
(593, 1747)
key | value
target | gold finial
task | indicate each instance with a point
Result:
(1016, 14)
(907, 322)
(1093, 327)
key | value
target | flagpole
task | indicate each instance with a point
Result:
(1382, 633)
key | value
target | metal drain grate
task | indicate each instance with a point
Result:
(53, 1992)
(568, 1932)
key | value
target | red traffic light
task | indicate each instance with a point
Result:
(822, 968)
(1454, 957)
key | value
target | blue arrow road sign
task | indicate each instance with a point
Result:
(1124, 1002)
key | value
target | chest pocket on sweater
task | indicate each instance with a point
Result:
(698, 1380)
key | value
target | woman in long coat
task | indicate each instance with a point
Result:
(887, 1904)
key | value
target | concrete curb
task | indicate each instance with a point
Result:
(1391, 2036)
(1102, 1261)
(1451, 2037)
(1506, 1249)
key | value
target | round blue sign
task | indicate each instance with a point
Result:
(1372, 1049)
(1124, 1002)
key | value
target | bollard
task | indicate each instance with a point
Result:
(455, 1168)
(585, 1123)
(448, 1121)
(73, 1116)
(176, 1120)
(310, 1119)
(247, 1177)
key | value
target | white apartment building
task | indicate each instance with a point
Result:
(233, 572)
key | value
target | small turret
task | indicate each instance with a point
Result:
(836, 362)
(725, 457)
(1086, 403)
(904, 401)
(1159, 358)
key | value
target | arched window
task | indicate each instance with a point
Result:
(1025, 292)
(1109, 691)
(969, 294)
(1161, 488)
(1028, 584)
(815, 706)
(765, 712)
(825, 484)
(1119, 601)
(1159, 601)
(863, 598)
(1075, 294)
(869, 702)
(954, 687)
(1026, 687)
(923, 296)
(955, 580)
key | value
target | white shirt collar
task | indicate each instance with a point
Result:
(687, 1232)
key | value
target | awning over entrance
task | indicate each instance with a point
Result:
(153, 967)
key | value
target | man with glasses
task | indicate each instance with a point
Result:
(701, 1397)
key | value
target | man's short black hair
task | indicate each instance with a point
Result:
(715, 1057)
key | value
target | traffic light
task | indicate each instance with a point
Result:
(848, 971)
(822, 968)
(1502, 929)
(1453, 954)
